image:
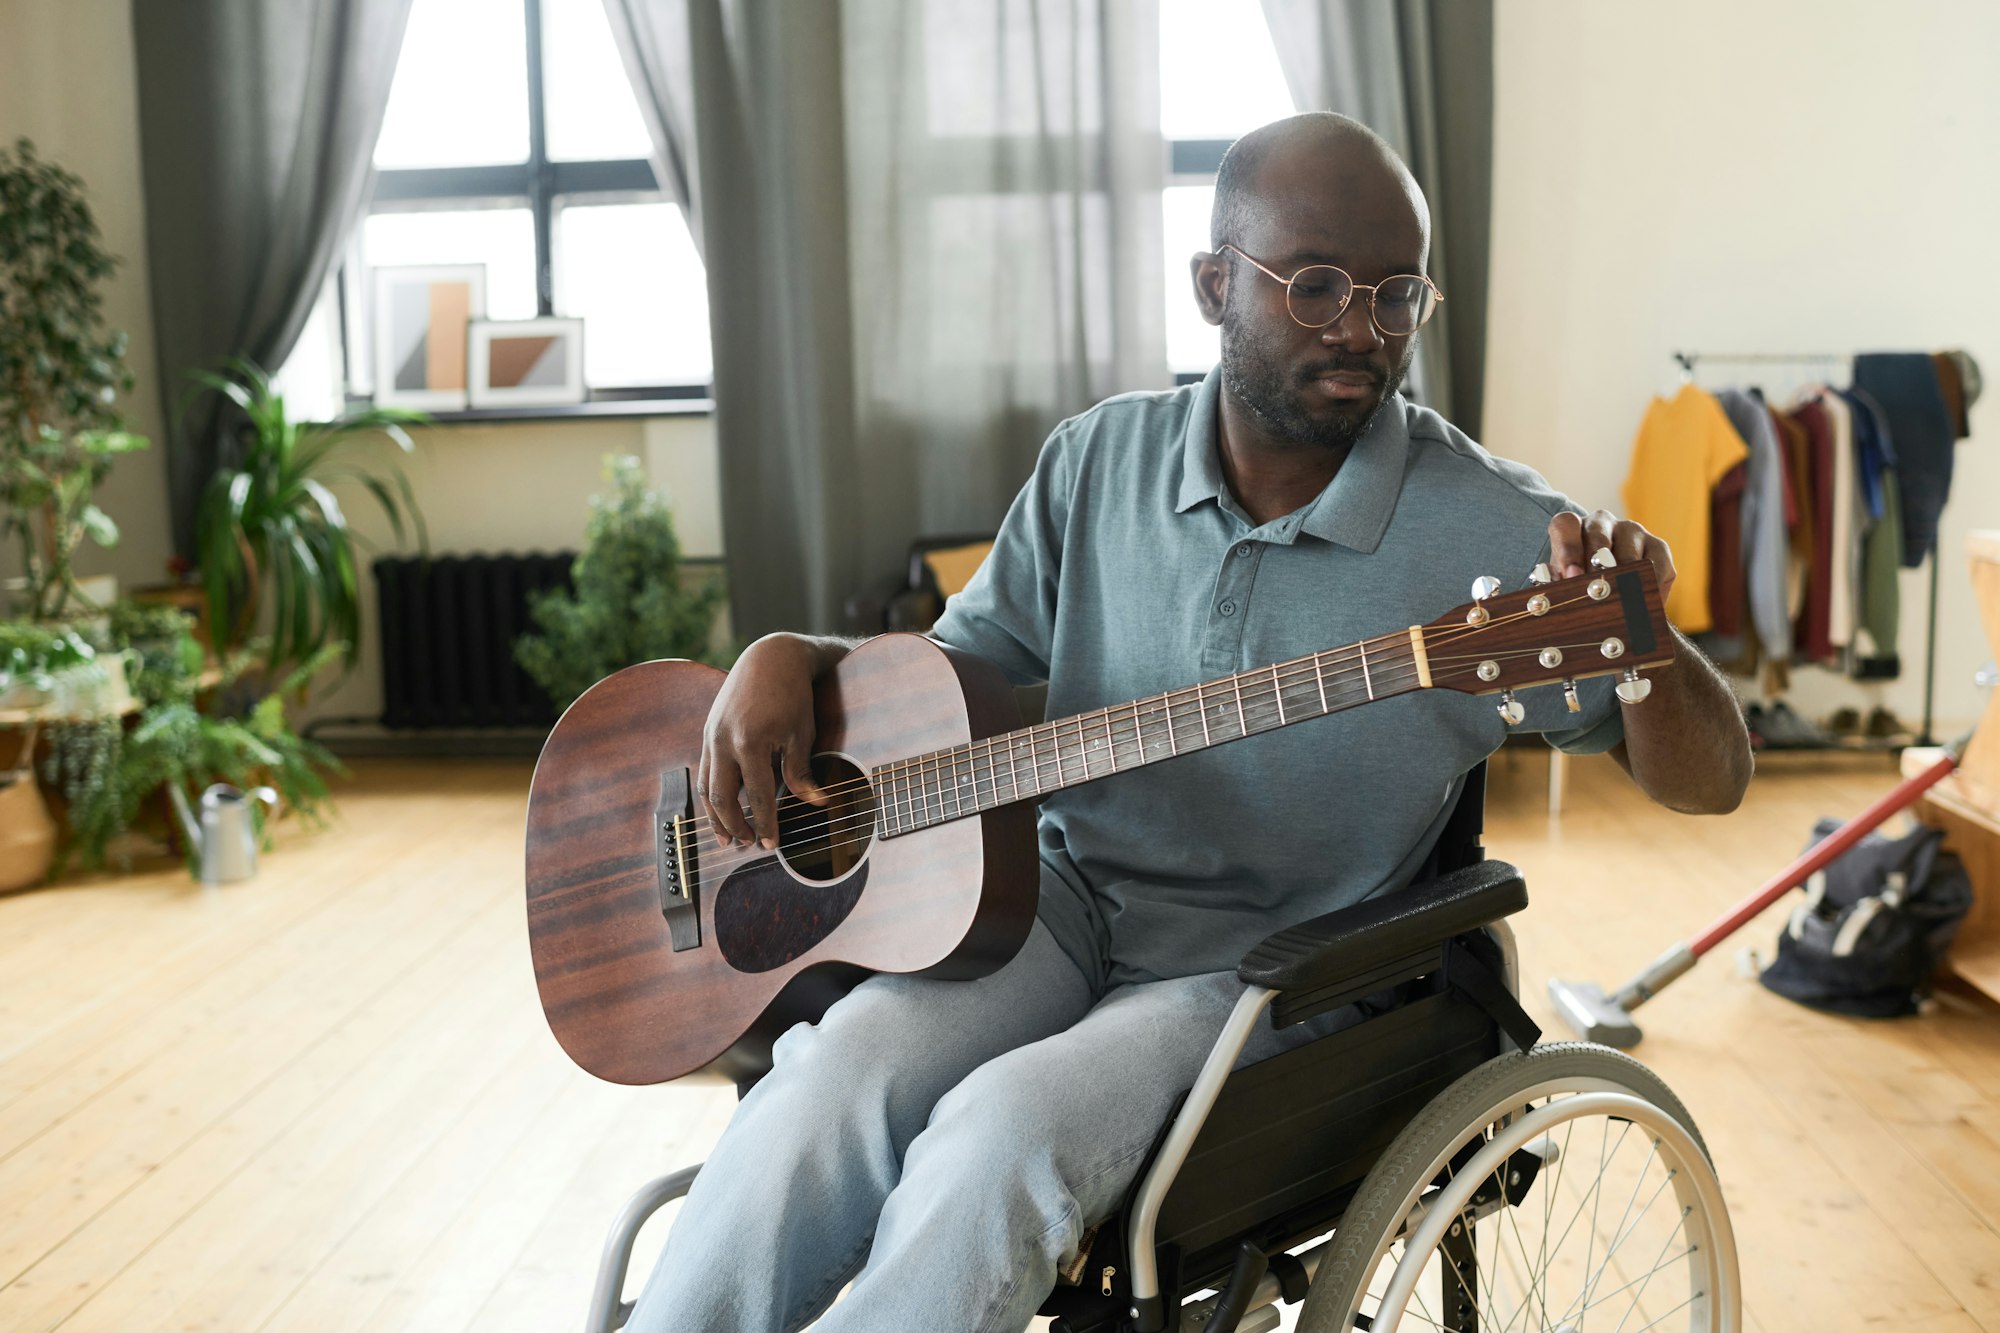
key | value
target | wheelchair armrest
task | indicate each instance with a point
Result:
(1330, 949)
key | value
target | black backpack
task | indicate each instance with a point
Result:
(1874, 926)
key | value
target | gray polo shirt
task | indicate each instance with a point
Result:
(1125, 568)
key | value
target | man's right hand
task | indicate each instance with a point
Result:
(761, 723)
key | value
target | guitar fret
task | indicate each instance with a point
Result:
(1201, 703)
(1242, 726)
(1110, 742)
(1279, 691)
(1366, 679)
(1173, 746)
(1013, 770)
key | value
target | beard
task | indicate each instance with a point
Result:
(1253, 368)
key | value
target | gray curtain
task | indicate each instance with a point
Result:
(940, 240)
(258, 120)
(1420, 74)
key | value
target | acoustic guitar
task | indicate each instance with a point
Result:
(659, 954)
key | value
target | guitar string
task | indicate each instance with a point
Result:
(991, 788)
(1344, 662)
(845, 835)
(840, 831)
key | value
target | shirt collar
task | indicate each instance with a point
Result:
(1353, 511)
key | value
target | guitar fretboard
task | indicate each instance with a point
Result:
(943, 785)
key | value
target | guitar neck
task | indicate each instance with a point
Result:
(934, 788)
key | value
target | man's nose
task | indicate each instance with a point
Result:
(1354, 330)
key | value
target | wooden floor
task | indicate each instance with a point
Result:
(325, 1099)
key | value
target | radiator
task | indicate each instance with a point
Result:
(447, 628)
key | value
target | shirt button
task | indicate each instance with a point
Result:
(1244, 549)
(1227, 608)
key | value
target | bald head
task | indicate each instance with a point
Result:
(1316, 162)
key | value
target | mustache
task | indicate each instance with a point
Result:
(1357, 365)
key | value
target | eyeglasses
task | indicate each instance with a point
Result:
(1318, 294)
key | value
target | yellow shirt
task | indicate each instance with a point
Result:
(1685, 445)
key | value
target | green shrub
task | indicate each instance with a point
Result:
(629, 605)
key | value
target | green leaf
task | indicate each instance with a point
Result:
(98, 525)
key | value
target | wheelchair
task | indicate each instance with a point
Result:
(1429, 1167)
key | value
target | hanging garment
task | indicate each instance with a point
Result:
(1874, 449)
(1813, 637)
(1684, 447)
(1795, 448)
(1763, 522)
(1845, 566)
(1875, 655)
(1725, 555)
(1905, 384)
(1953, 392)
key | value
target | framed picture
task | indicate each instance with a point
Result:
(421, 315)
(526, 362)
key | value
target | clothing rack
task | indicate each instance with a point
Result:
(1687, 361)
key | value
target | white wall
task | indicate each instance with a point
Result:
(67, 81)
(1788, 175)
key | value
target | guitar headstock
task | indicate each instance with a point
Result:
(1606, 621)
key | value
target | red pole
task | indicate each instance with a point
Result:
(1820, 853)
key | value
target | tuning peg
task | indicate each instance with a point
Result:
(1602, 558)
(1484, 587)
(1569, 697)
(1541, 575)
(1510, 708)
(1633, 687)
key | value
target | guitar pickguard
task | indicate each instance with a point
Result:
(764, 918)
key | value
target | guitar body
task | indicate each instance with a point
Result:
(768, 939)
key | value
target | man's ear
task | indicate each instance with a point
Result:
(1211, 285)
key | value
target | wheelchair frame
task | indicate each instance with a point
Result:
(1259, 1160)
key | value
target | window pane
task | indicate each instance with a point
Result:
(460, 97)
(1219, 74)
(592, 111)
(1193, 344)
(631, 273)
(310, 377)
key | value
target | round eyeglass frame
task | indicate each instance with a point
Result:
(1437, 296)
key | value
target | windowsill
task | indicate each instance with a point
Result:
(602, 409)
(598, 409)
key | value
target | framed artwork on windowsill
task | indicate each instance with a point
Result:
(422, 312)
(526, 362)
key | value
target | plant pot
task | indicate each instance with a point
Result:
(27, 833)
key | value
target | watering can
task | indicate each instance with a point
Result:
(226, 835)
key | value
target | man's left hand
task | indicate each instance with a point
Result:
(1573, 540)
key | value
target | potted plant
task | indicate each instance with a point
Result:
(60, 375)
(274, 545)
(629, 604)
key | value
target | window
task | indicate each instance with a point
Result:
(513, 139)
(1219, 78)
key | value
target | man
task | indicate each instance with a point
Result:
(945, 1144)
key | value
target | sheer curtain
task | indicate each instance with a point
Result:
(258, 121)
(932, 231)
(1420, 74)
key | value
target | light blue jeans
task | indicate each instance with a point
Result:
(945, 1144)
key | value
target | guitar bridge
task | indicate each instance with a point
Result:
(679, 859)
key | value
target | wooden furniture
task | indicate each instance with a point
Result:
(1966, 805)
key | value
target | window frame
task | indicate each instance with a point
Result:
(1193, 162)
(543, 184)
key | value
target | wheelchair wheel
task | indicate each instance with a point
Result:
(1551, 1190)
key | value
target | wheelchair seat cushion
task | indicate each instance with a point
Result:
(1353, 940)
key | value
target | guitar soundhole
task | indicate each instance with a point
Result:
(824, 842)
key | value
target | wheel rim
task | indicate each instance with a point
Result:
(1625, 1230)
